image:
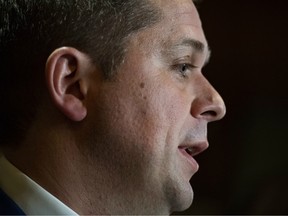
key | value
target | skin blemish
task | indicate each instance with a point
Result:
(142, 85)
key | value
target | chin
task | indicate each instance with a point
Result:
(183, 199)
(187, 200)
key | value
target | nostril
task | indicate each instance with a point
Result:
(209, 113)
(213, 113)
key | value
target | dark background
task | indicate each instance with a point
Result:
(245, 170)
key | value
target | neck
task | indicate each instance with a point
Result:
(59, 164)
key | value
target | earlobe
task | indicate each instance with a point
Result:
(65, 77)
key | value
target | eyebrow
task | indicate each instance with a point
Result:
(196, 45)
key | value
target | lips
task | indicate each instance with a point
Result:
(192, 149)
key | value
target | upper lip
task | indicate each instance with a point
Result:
(194, 147)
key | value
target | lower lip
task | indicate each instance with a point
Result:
(190, 159)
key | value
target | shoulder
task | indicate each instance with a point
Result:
(8, 206)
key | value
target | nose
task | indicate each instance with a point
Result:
(207, 103)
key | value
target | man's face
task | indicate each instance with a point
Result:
(157, 106)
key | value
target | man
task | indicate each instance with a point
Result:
(105, 105)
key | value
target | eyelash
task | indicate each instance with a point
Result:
(183, 69)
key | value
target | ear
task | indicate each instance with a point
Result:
(66, 76)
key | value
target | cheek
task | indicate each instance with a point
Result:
(171, 104)
(165, 109)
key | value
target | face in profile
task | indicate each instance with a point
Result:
(152, 119)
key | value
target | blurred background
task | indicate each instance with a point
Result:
(245, 170)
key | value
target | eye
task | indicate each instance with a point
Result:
(183, 69)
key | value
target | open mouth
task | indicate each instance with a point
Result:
(191, 149)
(188, 153)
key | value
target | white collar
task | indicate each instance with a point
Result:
(27, 194)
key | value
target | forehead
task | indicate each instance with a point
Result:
(181, 10)
(180, 22)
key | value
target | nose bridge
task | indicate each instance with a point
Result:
(207, 104)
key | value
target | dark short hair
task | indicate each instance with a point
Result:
(31, 29)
